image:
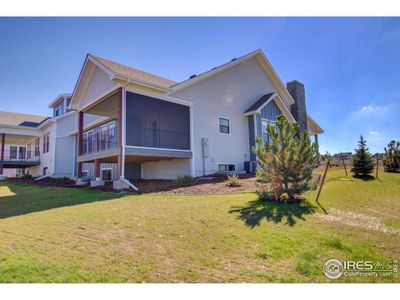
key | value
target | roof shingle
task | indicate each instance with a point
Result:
(135, 73)
(17, 119)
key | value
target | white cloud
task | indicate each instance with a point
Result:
(374, 132)
(371, 109)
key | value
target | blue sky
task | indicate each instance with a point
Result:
(350, 66)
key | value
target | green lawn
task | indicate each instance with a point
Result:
(75, 235)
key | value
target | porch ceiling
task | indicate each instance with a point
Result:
(107, 107)
(13, 139)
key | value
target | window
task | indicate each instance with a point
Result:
(85, 173)
(22, 153)
(106, 174)
(29, 152)
(223, 125)
(45, 171)
(222, 168)
(58, 110)
(13, 152)
(37, 147)
(265, 135)
(46, 141)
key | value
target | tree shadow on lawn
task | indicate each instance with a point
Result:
(364, 177)
(277, 212)
(21, 198)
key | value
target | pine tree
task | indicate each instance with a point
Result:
(362, 160)
(391, 158)
(286, 162)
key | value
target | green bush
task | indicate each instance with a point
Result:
(26, 176)
(233, 180)
(362, 160)
(285, 162)
(63, 180)
(183, 181)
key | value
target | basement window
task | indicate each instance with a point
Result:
(222, 168)
(106, 174)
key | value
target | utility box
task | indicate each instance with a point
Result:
(205, 147)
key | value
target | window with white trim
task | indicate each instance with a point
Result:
(226, 168)
(46, 142)
(106, 174)
(224, 125)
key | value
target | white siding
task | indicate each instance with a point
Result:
(166, 169)
(99, 84)
(227, 94)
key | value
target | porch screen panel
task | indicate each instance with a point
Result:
(156, 123)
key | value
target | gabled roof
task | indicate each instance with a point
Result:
(61, 96)
(17, 119)
(132, 73)
(264, 63)
(260, 103)
(311, 124)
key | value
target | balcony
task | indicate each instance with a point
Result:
(99, 140)
(20, 157)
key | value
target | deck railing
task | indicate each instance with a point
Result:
(20, 155)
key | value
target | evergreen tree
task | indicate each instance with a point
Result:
(391, 158)
(362, 159)
(286, 162)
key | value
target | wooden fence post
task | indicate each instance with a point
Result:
(323, 179)
(344, 165)
(377, 165)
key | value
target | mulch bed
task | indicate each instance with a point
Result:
(212, 184)
(47, 181)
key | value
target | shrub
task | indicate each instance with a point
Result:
(286, 162)
(183, 181)
(233, 180)
(26, 176)
(391, 158)
(63, 180)
(362, 160)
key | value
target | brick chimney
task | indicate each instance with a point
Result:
(298, 110)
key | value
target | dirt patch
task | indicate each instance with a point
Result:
(212, 184)
(357, 220)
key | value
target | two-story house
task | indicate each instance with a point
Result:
(126, 123)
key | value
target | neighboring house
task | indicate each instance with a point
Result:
(38, 145)
(132, 124)
(345, 156)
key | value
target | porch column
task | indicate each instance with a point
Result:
(3, 139)
(316, 139)
(80, 137)
(79, 170)
(121, 112)
(80, 132)
(97, 168)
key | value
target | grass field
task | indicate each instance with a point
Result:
(75, 235)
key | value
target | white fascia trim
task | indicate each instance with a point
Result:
(18, 127)
(290, 98)
(65, 95)
(162, 97)
(100, 65)
(71, 106)
(140, 82)
(258, 111)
